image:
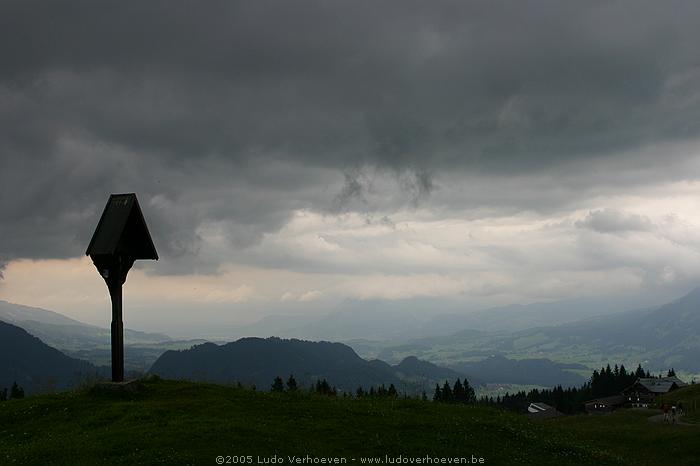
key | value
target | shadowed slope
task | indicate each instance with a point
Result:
(35, 365)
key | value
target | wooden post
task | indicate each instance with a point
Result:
(115, 292)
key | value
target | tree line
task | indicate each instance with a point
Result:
(606, 382)
(322, 387)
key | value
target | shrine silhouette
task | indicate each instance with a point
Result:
(121, 237)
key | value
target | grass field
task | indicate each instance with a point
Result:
(175, 423)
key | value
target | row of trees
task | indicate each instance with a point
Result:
(460, 392)
(322, 387)
(16, 392)
(278, 384)
(380, 392)
(608, 381)
(566, 400)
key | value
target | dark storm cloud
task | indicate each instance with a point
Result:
(239, 112)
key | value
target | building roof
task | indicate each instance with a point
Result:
(539, 407)
(660, 385)
(542, 411)
(122, 230)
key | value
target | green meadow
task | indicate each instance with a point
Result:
(178, 423)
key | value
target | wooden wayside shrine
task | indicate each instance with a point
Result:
(121, 237)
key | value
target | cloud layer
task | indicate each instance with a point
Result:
(233, 120)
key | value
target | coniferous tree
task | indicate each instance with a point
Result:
(424, 396)
(291, 383)
(360, 392)
(324, 388)
(458, 392)
(391, 392)
(3, 394)
(609, 380)
(671, 373)
(16, 391)
(447, 396)
(624, 379)
(469, 393)
(437, 395)
(278, 384)
(595, 384)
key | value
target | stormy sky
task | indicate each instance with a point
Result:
(289, 155)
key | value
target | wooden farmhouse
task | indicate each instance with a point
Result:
(644, 391)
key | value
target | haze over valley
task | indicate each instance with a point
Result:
(495, 346)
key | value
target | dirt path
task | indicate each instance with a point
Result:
(660, 418)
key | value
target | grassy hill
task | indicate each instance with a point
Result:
(168, 422)
(690, 397)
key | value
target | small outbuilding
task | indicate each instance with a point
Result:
(542, 411)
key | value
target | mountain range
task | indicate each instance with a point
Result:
(257, 361)
(402, 320)
(659, 338)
